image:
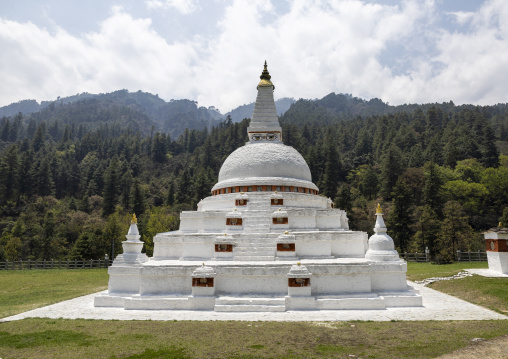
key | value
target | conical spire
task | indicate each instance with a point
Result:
(265, 78)
(264, 124)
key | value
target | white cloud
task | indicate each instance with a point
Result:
(312, 48)
(184, 6)
(470, 67)
(462, 17)
(125, 53)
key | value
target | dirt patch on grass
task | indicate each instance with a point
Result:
(496, 348)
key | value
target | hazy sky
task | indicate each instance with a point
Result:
(212, 51)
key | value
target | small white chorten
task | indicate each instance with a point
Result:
(381, 247)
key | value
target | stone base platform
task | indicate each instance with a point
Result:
(242, 286)
(356, 301)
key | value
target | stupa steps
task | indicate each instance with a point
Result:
(253, 258)
(260, 247)
(249, 246)
(257, 229)
(251, 249)
(249, 304)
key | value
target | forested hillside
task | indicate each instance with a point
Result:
(70, 176)
(138, 111)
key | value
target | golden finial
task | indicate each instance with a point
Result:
(286, 232)
(500, 225)
(378, 209)
(265, 75)
(265, 78)
(134, 220)
(298, 263)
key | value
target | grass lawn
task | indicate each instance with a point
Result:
(48, 338)
(29, 289)
(491, 293)
(45, 338)
(420, 271)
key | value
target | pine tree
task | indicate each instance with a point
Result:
(427, 229)
(432, 189)
(184, 184)
(344, 199)
(433, 152)
(44, 178)
(126, 189)
(455, 233)
(489, 151)
(400, 221)
(331, 174)
(110, 193)
(112, 236)
(38, 140)
(138, 199)
(369, 186)
(170, 198)
(49, 232)
(159, 148)
(9, 174)
(391, 168)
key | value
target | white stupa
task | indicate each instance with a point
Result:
(265, 240)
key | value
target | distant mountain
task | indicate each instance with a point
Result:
(245, 111)
(141, 111)
(24, 106)
(138, 111)
(339, 107)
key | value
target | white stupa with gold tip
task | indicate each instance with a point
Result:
(238, 251)
(381, 246)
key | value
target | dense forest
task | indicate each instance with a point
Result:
(72, 174)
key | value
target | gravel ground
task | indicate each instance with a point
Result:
(436, 306)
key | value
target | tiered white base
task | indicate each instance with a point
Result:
(242, 286)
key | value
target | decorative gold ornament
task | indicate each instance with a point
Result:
(378, 209)
(265, 75)
(265, 78)
(134, 220)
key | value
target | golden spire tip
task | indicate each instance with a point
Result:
(378, 209)
(265, 78)
(134, 220)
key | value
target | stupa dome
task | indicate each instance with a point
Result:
(265, 163)
(265, 160)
